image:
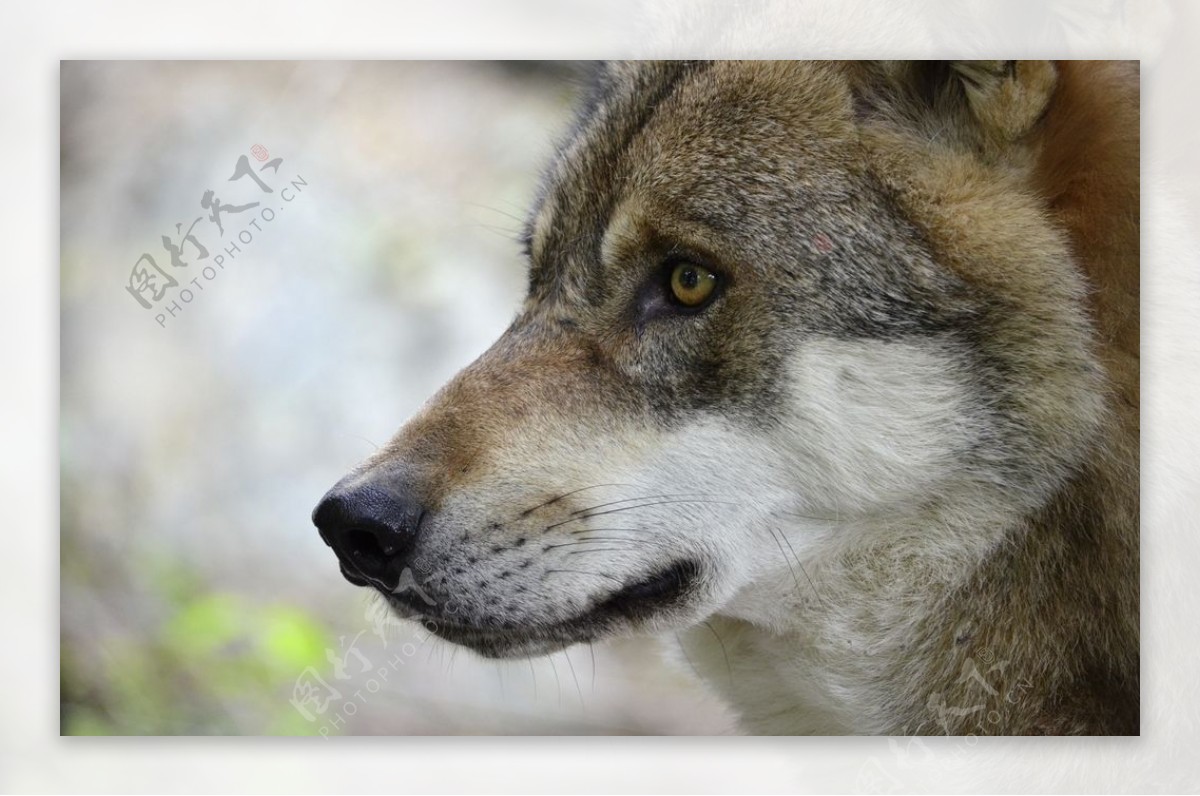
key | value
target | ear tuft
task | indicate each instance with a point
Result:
(1006, 98)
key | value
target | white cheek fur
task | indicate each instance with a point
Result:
(876, 422)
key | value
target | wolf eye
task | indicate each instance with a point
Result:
(692, 285)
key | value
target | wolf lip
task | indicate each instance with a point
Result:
(661, 589)
(514, 642)
(352, 576)
(637, 601)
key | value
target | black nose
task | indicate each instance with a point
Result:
(371, 526)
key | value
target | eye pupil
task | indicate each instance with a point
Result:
(689, 278)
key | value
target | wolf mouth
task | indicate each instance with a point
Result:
(666, 588)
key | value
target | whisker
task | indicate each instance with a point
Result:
(814, 518)
(800, 564)
(724, 651)
(596, 550)
(578, 690)
(582, 531)
(687, 657)
(557, 682)
(364, 439)
(775, 537)
(553, 500)
(631, 508)
(429, 654)
(590, 540)
(496, 210)
(629, 500)
(585, 572)
(513, 235)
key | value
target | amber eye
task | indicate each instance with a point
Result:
(692, 284)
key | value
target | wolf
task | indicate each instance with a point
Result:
(826, 370)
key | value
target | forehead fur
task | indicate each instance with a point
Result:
(682, 145)
(759, 163)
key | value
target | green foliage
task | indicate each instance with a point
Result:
(218, 663)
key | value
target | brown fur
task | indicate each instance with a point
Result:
(1061, 598)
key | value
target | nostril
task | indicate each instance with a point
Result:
(366, 552)
(376, 551)
(378, 542)
(384, 539)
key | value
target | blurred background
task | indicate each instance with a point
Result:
(216, 380)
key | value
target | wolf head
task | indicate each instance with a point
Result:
(778, 314)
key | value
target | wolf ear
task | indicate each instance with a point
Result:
(1000, 100)
(1006, 97)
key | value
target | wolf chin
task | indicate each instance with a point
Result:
(828, 371)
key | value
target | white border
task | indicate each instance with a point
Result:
(34, 36)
